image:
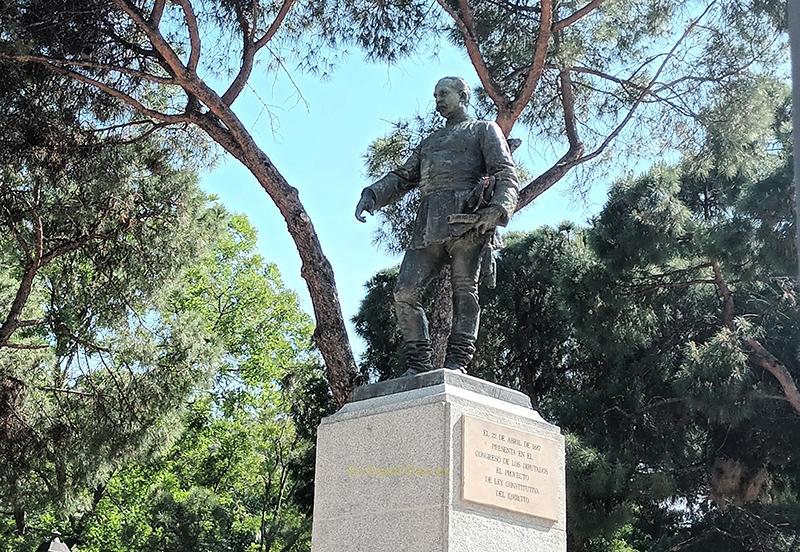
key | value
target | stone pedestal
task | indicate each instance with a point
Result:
(441, 462)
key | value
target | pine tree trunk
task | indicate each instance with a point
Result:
(441, 316)
(330, 335)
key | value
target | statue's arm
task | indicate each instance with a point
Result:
(397, 183)
(500, 165)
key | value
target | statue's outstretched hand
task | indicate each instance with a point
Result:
(366, 203)
(490, 217)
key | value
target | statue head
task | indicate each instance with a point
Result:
(452, 96)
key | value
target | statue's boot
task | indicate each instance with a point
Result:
(419, 356)
(460, 350)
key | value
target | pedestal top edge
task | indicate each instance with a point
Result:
(439, 377)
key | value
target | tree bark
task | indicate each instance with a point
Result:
(759, 355)
(223, 126)
(12, 320)
(441, 316)
(330, 334)
(762, 358)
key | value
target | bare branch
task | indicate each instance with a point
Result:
(127, 124)
(141, 136)
(11, 322)
(629, 83)
(506, 120)
(194, 35)
(159, 43)
(93, 65)
(762, 358)
(248, 59)
(580, 14)
(130, 100)
(66, 248)
(759, 355)
(614, 133)
(501, 101)
(158, 11)
(563, 165)
(250, 49)
(285, 7)
(568, 103)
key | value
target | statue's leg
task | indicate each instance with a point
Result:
(466, 265)
(418, 268)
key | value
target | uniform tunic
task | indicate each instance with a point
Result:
(447, 166)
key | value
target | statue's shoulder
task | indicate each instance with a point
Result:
(483, 125)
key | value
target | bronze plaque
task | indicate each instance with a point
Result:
(511, 469)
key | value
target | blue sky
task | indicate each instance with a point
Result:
(317, 142)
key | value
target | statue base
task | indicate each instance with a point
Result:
(439, 462)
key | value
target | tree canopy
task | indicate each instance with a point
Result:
(577, 73)
(188, 424)
(93, 231)
(239, 477)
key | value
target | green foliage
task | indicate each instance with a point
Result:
(376, 325)
(238, 477)
(142, 301)
(629, 56)
(96, 373)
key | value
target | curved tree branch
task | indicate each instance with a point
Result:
(273, 28)
(154, 36)
(507, 118)
(759, 355)
(493, 90)
(157, 13)
(579, 14)
(250, 49)
(762, 358)
(194, 35)
(12, 319)
(118, 94)
(646, 90)
(563, 165)
(93, 65)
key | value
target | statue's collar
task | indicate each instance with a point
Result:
(455, 119)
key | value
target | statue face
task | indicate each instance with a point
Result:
(448, 100)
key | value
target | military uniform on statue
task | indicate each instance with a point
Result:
(455, 222)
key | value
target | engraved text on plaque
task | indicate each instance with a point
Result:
(510, 469)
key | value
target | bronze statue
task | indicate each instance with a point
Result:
(455, 223)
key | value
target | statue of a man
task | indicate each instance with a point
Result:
(454, 224)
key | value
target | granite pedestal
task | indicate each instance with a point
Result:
(441, 462)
